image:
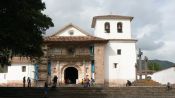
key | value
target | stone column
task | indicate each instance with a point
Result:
(99, 63)
(43, 68)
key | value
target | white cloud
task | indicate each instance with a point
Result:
(148, 38)
(164, 53)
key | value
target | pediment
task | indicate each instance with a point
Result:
(79, 35)
(70, 30)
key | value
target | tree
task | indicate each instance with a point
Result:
(21, 27)
(153, 66)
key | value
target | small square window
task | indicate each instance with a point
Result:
(115, 65)
(23, 68)
(119, 51)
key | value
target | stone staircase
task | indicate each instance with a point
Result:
(91, 92)
(146, 82)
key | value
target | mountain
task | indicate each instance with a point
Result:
(163, 64)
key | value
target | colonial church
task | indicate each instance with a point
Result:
(72, 54)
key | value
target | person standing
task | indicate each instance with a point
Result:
(24, 81)
(55, 81)
(82, 81)
(29, 82)
(88, 82)
(45, 89)
(92, 82)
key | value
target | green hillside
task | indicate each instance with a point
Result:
(163, 64)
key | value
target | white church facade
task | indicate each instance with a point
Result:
(72, 54)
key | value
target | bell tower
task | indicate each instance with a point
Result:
(120, 51)
(112, 26)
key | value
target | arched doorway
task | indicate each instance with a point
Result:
(70, 75)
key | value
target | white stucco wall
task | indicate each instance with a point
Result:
(100, 31)
(164, 76)
(66, 32)
(3, 78)
(125, 62)
(15, 72)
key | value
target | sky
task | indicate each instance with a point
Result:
(153, 24)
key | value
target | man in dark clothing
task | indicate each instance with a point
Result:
(29, 82)
(168, 86)
(45, 89)
(55, 81)
(128, 83)
(24, 81)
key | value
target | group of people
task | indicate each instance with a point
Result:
(28, 82)
(86, 82)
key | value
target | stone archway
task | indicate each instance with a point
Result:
(78, 68)
(70, 75)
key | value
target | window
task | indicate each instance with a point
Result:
(71, 51)
(119, 51)
(115, 65)
(91, 50)
(107, 27)
(23, 68)
(71, 32)
(119, 27)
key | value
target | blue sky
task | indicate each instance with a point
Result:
(153, 24)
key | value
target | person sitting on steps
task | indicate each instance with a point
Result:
(128, 83)
(168, 86)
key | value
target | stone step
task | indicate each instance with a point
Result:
(91, 92)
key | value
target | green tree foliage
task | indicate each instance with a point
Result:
(153, 66)
(21, 27)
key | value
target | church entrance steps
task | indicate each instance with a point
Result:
(146, 82)
(91, 92)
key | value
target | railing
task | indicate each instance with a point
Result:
(76, 55)
(146, 72)
(65, 53)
